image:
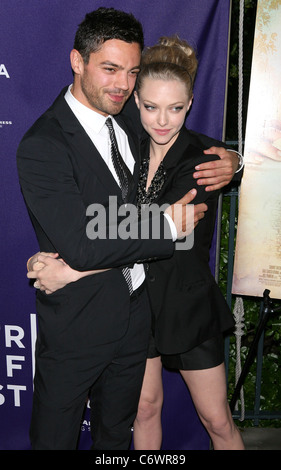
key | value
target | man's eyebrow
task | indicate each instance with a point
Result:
(111, 64)
(107, 62)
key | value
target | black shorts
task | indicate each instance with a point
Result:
(204, 356)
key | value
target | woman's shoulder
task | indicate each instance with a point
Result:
(190, 147)
(202, 140)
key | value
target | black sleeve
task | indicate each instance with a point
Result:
(55, 203)
(181, 181)
(206, 142)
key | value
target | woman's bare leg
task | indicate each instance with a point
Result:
(208, 391)
(147, 425)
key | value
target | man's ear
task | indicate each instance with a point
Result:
(76, 60)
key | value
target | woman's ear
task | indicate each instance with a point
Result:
(190, 103)
(137, 99)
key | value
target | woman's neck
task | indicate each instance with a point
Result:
(157, 152)
(156, 155)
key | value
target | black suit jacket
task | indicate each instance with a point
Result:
(187, 305)
(61, 173)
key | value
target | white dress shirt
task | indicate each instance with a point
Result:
(94, 125)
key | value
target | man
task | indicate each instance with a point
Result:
(92, 333)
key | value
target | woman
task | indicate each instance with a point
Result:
(189, 312)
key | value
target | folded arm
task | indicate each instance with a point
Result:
(59, 212)
(52, 274)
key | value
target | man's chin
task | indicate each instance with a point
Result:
(115, 106)
(116, 109)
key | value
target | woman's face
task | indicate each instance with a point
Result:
(163, 105)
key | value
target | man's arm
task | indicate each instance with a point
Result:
(214, 175)
(59, 213)
(52, 274)
(219, 173)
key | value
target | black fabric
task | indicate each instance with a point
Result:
(188, 307)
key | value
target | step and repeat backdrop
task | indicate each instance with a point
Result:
(36, 39)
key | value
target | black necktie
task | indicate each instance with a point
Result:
(125, 181)
(124, 175)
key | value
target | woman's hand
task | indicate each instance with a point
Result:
(52, 274)
(34, 265)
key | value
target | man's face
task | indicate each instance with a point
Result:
(106, 82)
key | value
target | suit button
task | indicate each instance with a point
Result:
(151, 278)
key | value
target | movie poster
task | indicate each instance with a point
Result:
(258, 247)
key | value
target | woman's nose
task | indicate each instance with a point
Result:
(162, 118)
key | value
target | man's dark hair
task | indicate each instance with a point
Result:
(104, 24)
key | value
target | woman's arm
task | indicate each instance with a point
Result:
(181, 179)
(52, 274)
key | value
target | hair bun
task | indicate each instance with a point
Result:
(170, 59)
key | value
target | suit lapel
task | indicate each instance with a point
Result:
(87, 150)
(79, 139)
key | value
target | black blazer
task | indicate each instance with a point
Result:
(187, 305)
(61, 173)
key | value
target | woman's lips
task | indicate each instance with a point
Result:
(162, 131)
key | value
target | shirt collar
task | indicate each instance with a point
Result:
(90, 118)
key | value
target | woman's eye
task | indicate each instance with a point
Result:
(149, 107)
(177, 108)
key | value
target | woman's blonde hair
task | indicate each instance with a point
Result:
(171, 59)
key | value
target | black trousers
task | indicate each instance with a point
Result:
(114, 373)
